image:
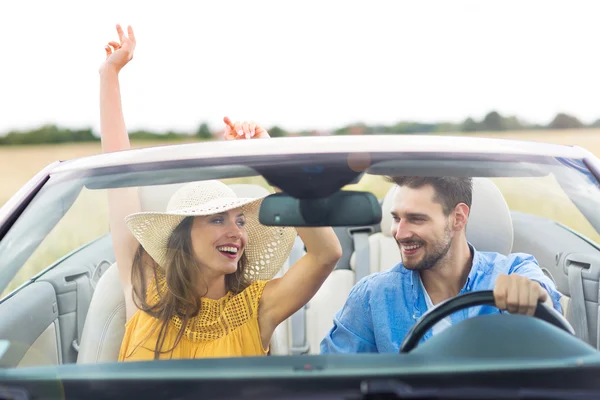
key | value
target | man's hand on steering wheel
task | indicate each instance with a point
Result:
(518, 294)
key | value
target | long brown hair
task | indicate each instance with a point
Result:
(181, 272)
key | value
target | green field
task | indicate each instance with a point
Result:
(18, 164)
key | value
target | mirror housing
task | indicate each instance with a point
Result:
(343, 208)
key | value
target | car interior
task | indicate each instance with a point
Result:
(75, 313)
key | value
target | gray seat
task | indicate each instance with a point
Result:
(105, 322)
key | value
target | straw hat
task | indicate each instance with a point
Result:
(267, 248)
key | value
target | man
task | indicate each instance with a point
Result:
(429, 220)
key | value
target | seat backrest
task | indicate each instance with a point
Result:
(321, 309)
(489, 228)
(105, 322)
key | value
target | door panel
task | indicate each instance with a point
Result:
(30, 317)
(44, 320)
(45, 350)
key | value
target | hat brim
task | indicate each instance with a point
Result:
(266, 251)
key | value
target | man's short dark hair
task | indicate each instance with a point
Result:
(449, 190)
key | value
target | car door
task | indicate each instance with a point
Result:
(43, 308)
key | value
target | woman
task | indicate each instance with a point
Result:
(198, 278)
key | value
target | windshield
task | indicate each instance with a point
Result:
(543, 207)
(75, 207)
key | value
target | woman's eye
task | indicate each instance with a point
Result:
(241, 222)
(217, 220)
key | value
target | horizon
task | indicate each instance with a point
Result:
(526, 126)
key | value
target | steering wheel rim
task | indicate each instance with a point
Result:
(473, 299)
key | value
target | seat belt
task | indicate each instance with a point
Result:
(362, 260)
(298, 319)
(577, 315)
(83, 296)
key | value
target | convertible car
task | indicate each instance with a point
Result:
(62, 309)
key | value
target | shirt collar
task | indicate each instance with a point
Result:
(477, 266)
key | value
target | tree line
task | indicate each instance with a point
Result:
(493, 121)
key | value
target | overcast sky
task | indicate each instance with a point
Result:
(301, 64)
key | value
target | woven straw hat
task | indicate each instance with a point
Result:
(266, 250)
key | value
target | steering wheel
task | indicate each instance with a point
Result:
(480, 298)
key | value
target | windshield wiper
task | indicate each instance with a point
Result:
(395, 389)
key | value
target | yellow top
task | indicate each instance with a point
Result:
(227, 327)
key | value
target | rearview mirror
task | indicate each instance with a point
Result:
(343, 208)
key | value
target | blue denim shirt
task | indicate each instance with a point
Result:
(382, 307)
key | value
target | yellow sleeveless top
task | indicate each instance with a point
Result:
(227, 327)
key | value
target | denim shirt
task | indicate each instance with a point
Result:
(382, 307)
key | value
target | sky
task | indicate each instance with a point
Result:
(310, 64)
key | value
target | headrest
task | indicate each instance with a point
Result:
(156, 197)
(386, 216)
(490, 224)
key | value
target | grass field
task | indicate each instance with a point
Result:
(18, 164)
